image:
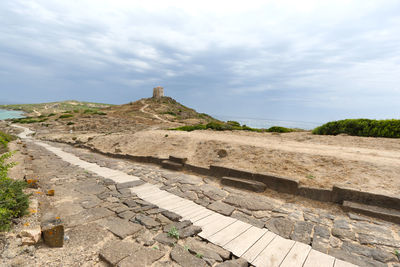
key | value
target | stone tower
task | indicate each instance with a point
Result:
(158, 92)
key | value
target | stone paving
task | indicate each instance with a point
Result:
(93, 209)
(358, 239)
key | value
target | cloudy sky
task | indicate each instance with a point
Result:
(288, 60)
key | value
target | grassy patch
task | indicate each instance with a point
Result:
(28, 120)
(93, 112)
(361, 127)
(173, 232)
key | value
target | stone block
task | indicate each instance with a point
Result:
(53, 232)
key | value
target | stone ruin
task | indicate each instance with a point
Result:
(158, 92)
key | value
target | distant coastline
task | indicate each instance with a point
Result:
(10, 114)
(266, 123)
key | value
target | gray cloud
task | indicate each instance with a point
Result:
(313, 61)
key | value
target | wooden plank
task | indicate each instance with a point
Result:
(173, 204)
(216, 226)
(340, 263)
(156, 196)
(161, 199)
(159, 192)
(198, 215)
(142, 188)
(297, 255)
(317, 259)
(183, 204)
(193, 208)
(197, 209)
(274, 253)
(259, 246)
(185, 209)
(213, 217)
(243, 242)
(234, 230)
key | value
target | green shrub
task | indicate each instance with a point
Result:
(70, 123)
(170, 113)
(233, 123)
(66, 116)
(13, 201)
(5, 138)
(29, 120)
(51, 114)
(361, 127)
(93, 111)
(279, 129)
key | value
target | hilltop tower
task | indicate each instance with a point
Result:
(158, 92)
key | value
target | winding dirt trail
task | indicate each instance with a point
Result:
(142, 109)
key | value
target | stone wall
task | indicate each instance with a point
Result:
(158, 92)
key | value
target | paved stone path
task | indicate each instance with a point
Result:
(258, 246)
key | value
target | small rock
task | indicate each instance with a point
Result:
(302, 232)
(53, 233)
(115, 251)
(177, 225)
(31, 236)
(222, 153)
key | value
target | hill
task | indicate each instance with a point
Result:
(53, 107)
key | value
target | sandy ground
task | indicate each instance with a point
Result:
(369, 164)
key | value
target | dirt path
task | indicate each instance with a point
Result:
(152, 114)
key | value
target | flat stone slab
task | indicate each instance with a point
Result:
(185, 259)
(244, 184)
(120, 227)
(141, 258)
(115, 251)
(374, 211)
(221, 207)
(250, 202)
(88, 215)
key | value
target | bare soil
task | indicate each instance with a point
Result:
(368, 164)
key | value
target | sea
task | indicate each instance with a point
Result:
(266, 123)
(10, 114)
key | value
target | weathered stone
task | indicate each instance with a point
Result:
(91, 188)
(343, 234)
(184, 258)
(117, 207)
(119, 227)
(355, 259)
(88, 215)
(202, 201)
(142, 257)
(144, 203)
(321, 231)
(104, 195)
(367, 228)
(358, 217)
(153, 211)
(296, 215)
(163, 238)
(90, 203)
(114, 251)
(190, 195)
(212, 192)
(302, 232)
(341, 224)
(53, 233)
(127, 215)
(249, 202)
(146, 221)
(30, 236)
(261, 214)
(130, 184)
(221, 207)
(189, 231)
(163, 219)
(248, 219)
(177, 225)
(234, 263)
(198, 247)
(280, 226)
(375, 253)
(207, 249)
(368, 239)
(188, 179)
(334, 242)
(320, 244)
(130, 203)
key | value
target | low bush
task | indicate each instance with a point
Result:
(94, 112)
(361, 127)
(279, 129)
(13, 201)
(65, 116)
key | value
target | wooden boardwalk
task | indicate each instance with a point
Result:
(258, 246)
